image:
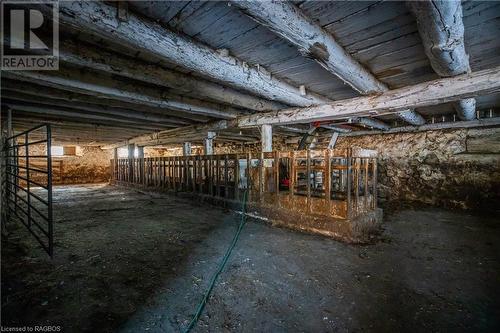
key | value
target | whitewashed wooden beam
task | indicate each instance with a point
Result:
(104, 87)
(145, 36)
(441, 28)
(435, 92)
(369, 122)
(74, 114)
(485, 122)
(192, 133)
(86, 107)
(101, 60)
(42, 92)
(289, 22)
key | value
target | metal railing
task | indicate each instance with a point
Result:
(28, 182)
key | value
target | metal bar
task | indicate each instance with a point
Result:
(49, 183)
(327, 181)
(27, 161)
(26, 168)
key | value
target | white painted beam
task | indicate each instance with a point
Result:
(441, 28)
(148, 37)
(435, 92)
(112, 63)
(289, 22)
(104, 87)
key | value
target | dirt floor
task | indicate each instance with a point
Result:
(132, 262)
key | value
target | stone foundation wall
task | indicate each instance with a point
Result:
(454, 168)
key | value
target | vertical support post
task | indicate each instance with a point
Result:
(308, 179)
(237, 177)
(249, 193)
(186, 149)
(115, 164)
(131, 150)
(140, 159)
(349, 183)
(327, 177)
(366, 188)
(374, 183)
(292, 175)
(209, 143)
(226, 176)
(277, 174)
(267, 138)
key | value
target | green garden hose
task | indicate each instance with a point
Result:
(222, 264)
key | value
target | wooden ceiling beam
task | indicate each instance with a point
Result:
(141, 117)
(435, 92)
(106, 87)
(289, 22)
(441, 29)
(112, 63)
(146, 36)
(68, 96)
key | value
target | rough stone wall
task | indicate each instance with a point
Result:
(454, 168)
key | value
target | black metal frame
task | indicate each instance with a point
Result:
(22, 201)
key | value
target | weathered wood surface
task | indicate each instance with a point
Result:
(289, 22)
(441, 28)
(113, 63)
(424, 94)
(105, 87)
(150, 118)
(43, 92)
(146, 36)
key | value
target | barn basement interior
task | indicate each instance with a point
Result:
(235, 166)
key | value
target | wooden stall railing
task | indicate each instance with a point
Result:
(336, 183)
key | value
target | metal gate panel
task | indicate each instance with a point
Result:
(29, 183)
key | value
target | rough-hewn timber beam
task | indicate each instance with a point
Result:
(424, 94)
(289, 22)
(151, 38)
(195, 133)
(93, 108)
(71, 114)
(52, 93)
(441, 28)
(112, 63)
(105, 87)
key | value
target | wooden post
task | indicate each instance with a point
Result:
(366, 189)
(209, 143)
(327, 182)
(267, 138)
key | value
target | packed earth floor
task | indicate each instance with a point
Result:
(131, 261)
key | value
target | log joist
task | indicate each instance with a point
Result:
(145, 36)
(106, 87)
(289, 22)
(441, 29)
(46, 92)
(112, 63)
(435, 92)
